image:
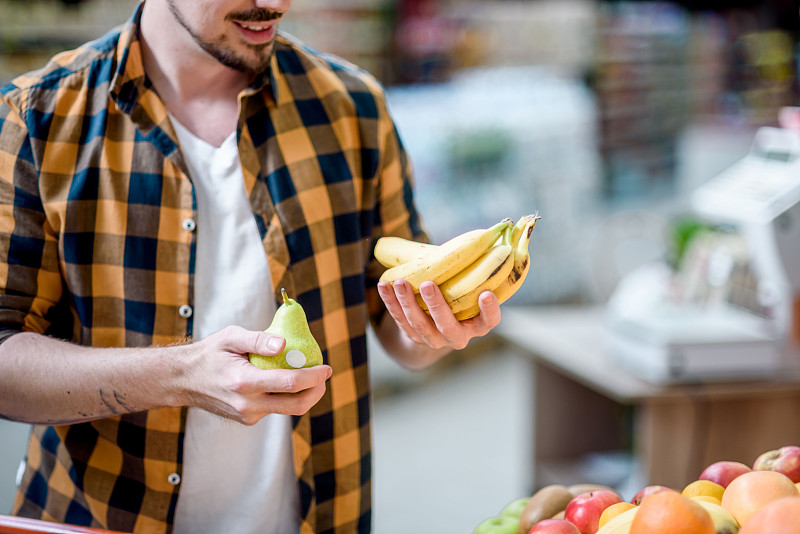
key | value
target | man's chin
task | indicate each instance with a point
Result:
(254, 63)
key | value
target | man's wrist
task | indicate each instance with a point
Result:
(177, 364)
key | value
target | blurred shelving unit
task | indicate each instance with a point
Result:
(642, 89)
(32, 31)
(359, 31)
(661, 67)
(553, 34)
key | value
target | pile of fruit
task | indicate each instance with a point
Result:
(727, 497)
(494, 259)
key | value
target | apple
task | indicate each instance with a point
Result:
(723, 472)
(785, 460)
(584, 510)
(646, 491)
(501, 524)
(554, 526)
(515, 507)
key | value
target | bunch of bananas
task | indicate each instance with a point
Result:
(494, 259)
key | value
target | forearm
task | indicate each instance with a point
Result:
(407, 352)
(53, 382)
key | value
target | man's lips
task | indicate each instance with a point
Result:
(258, 32)
(254, 26)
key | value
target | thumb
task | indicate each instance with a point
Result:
(269, 344)
(241, 340)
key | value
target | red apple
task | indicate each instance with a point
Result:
(646, 491)
(785, 460)
(584, 510)
(554, 526)
(723, 472)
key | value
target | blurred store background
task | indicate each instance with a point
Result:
(603, 116)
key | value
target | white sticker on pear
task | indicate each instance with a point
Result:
(295, 358)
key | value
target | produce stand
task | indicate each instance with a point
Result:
(22, 525)
(674, 431)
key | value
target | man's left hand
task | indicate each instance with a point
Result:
(440, 329)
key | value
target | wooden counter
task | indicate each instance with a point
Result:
(586, 403)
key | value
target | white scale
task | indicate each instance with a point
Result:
(671, 343)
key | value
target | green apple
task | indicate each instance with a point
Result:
(501, 524)
(515, 507)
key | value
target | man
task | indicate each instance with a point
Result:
(158, 187)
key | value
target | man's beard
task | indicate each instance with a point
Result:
(254, 63)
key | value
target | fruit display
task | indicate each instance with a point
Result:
(301, 349)
(727, 497)
(492, 259)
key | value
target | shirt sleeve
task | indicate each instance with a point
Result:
(30, 283)
(396, 213)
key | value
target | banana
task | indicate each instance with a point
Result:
(447, 259)
(620, 524)
(462, 291)
(724, 522)
(494, 266)
(520, 237)
(392, 251)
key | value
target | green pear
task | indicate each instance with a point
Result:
(301, 348)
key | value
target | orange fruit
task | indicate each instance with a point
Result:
(613, 511)
(750, 491)
(781, 516)
(703, 488)
(669, 512)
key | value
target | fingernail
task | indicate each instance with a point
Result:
(274, 344)
(330, 372)
(426, 289)
(400, 288)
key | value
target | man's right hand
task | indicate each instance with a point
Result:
(52, 382)
(219, 378)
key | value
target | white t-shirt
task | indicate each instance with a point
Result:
(236, 479)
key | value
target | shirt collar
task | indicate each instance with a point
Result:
(129, 78)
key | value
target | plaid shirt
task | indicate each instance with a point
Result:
(94, 197)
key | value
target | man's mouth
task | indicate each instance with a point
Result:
(254, 26)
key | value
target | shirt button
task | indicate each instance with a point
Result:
(185, 311)
(174, 479)
(189, 225)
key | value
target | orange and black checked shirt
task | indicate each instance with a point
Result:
(96, 247)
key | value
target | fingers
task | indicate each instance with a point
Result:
(490, 310)
(295, 404)
(255, 409)
(284, 391)
(391, 296)
(438, 328)
(288, 380)
(449, 331)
